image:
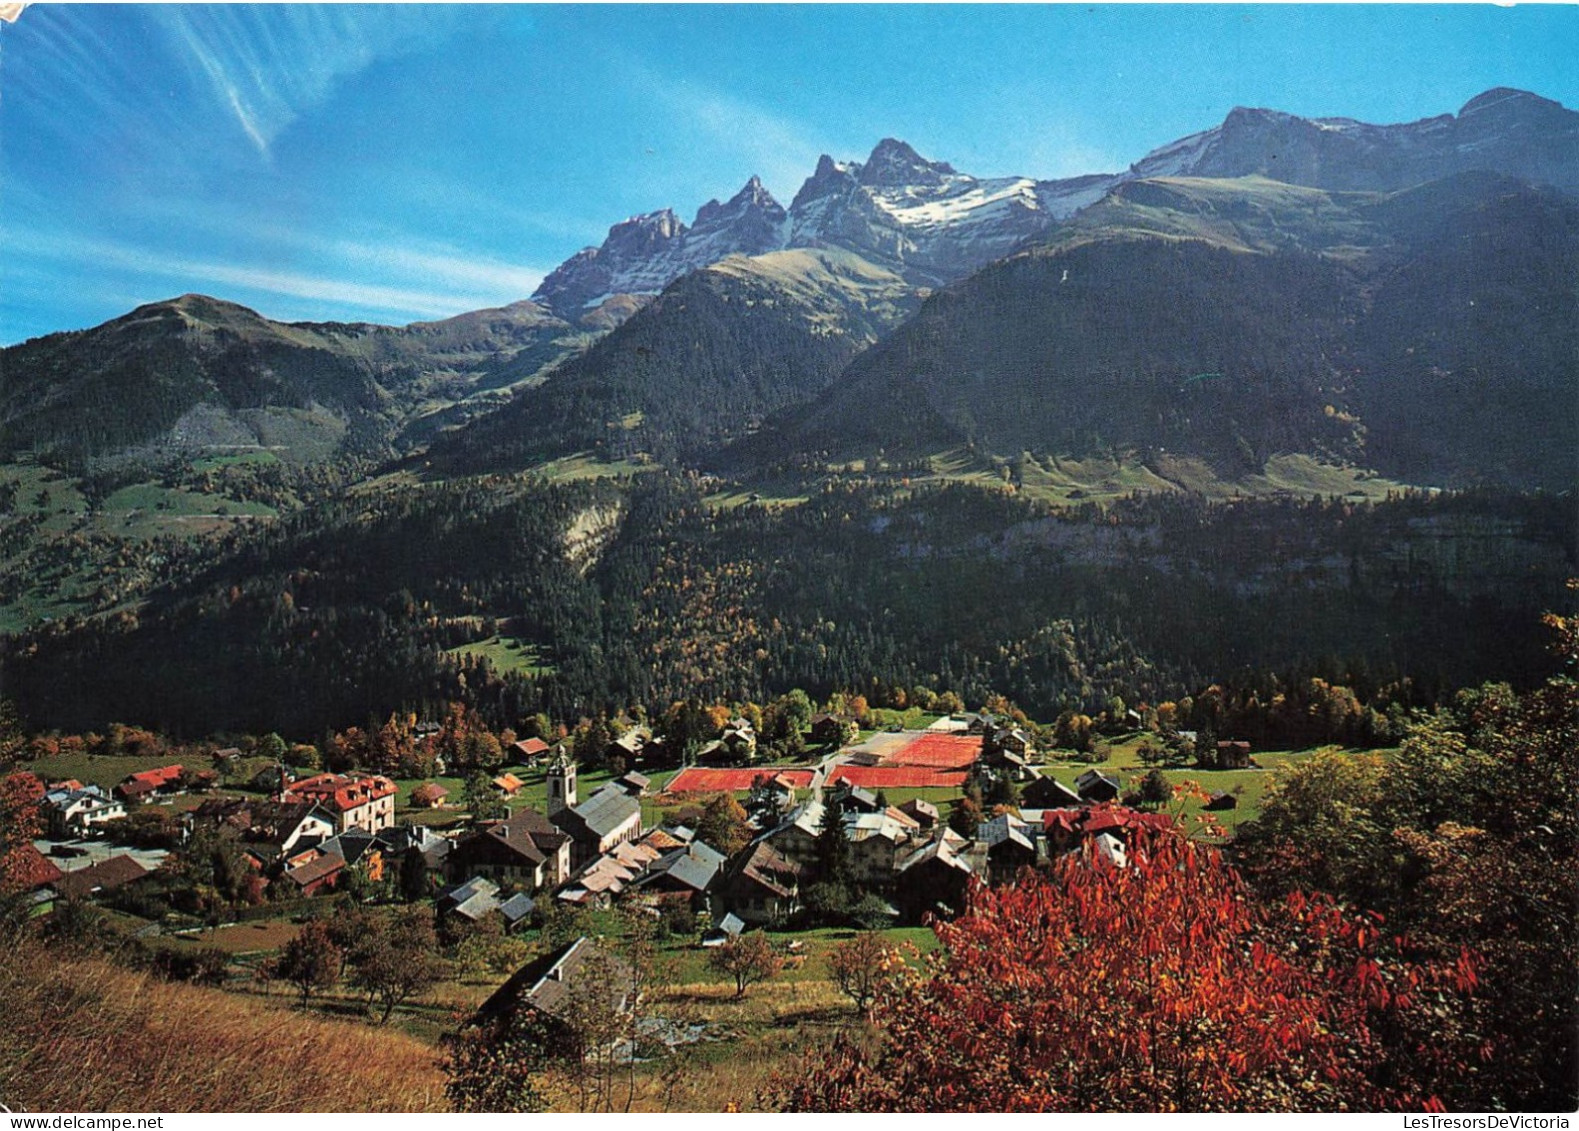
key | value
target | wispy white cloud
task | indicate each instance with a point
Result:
(377, 280)
(268, 64)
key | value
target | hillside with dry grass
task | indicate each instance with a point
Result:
(83, 1034)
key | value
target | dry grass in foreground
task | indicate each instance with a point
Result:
(82, 1034)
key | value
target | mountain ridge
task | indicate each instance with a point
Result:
(933, 224)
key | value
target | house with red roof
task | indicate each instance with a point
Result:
(365, 802)
(148, 783)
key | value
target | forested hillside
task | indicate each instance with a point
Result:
(642, 593)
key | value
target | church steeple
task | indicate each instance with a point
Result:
(561, 783)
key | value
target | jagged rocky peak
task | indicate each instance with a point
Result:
(644, 234)
(894, 164)
(830, 178)
(753, 199)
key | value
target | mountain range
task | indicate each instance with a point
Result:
(1392, 295)
(932, 224)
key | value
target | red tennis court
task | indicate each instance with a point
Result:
(700, 779)
(898, 777)
(938, 751)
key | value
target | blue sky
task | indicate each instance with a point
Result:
(415, 161)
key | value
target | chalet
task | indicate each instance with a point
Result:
(469, 902)
(1008, 846)
(1220, 801)
(690, 870)
(517, 910)
(1046, 792)
(610, 875)
(739, 739)
(543, 992)
(877, 842)
(148, 783)
(796, 836)
(363, 802)
(530, 751)
(33, 872)
(1067, 829)
(79, 811)
(526, 850)
(430, 795)
(631, 745)
(359, 850)
(1095, 786)
(634, 783)
(933, 876)
(847, 798)
(761, 885)
(107, 875)
(923, 813)
(508, 785)
(729, 928)
(831, 730)
(610, 816)
(1007, 740)
(1233, 755)
(270, 831)
(771, 797)
(320, 872)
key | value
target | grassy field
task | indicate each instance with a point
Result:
(506, 654)
(87, 1035)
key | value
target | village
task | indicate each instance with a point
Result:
(876, 831)
(591, 847)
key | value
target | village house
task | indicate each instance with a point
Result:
(508, 785)
(832, 730)
(270, 831)
(631, 746)
(478, 899)
(1047, 792)
(877, 842)
(610, 875)
(760, 885)
(78, 811)
(922, 812)
(530, 751)
(362, 802)
(1094, 786)
(526, 850)
(318, 872)
(795, 838)
(1233, 755)
(147, 783)
(1067, 829)
(546, 991)
(36, 874)
(933, 876)
(690, 870)
(633, 783)
(470, 902)
(740, 740)
(1007, 845)
(106, 875)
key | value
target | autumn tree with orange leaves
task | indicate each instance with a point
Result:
(1161, 986)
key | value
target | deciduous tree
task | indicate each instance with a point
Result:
(747, 960)
(1160, 986)
(861, 967)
